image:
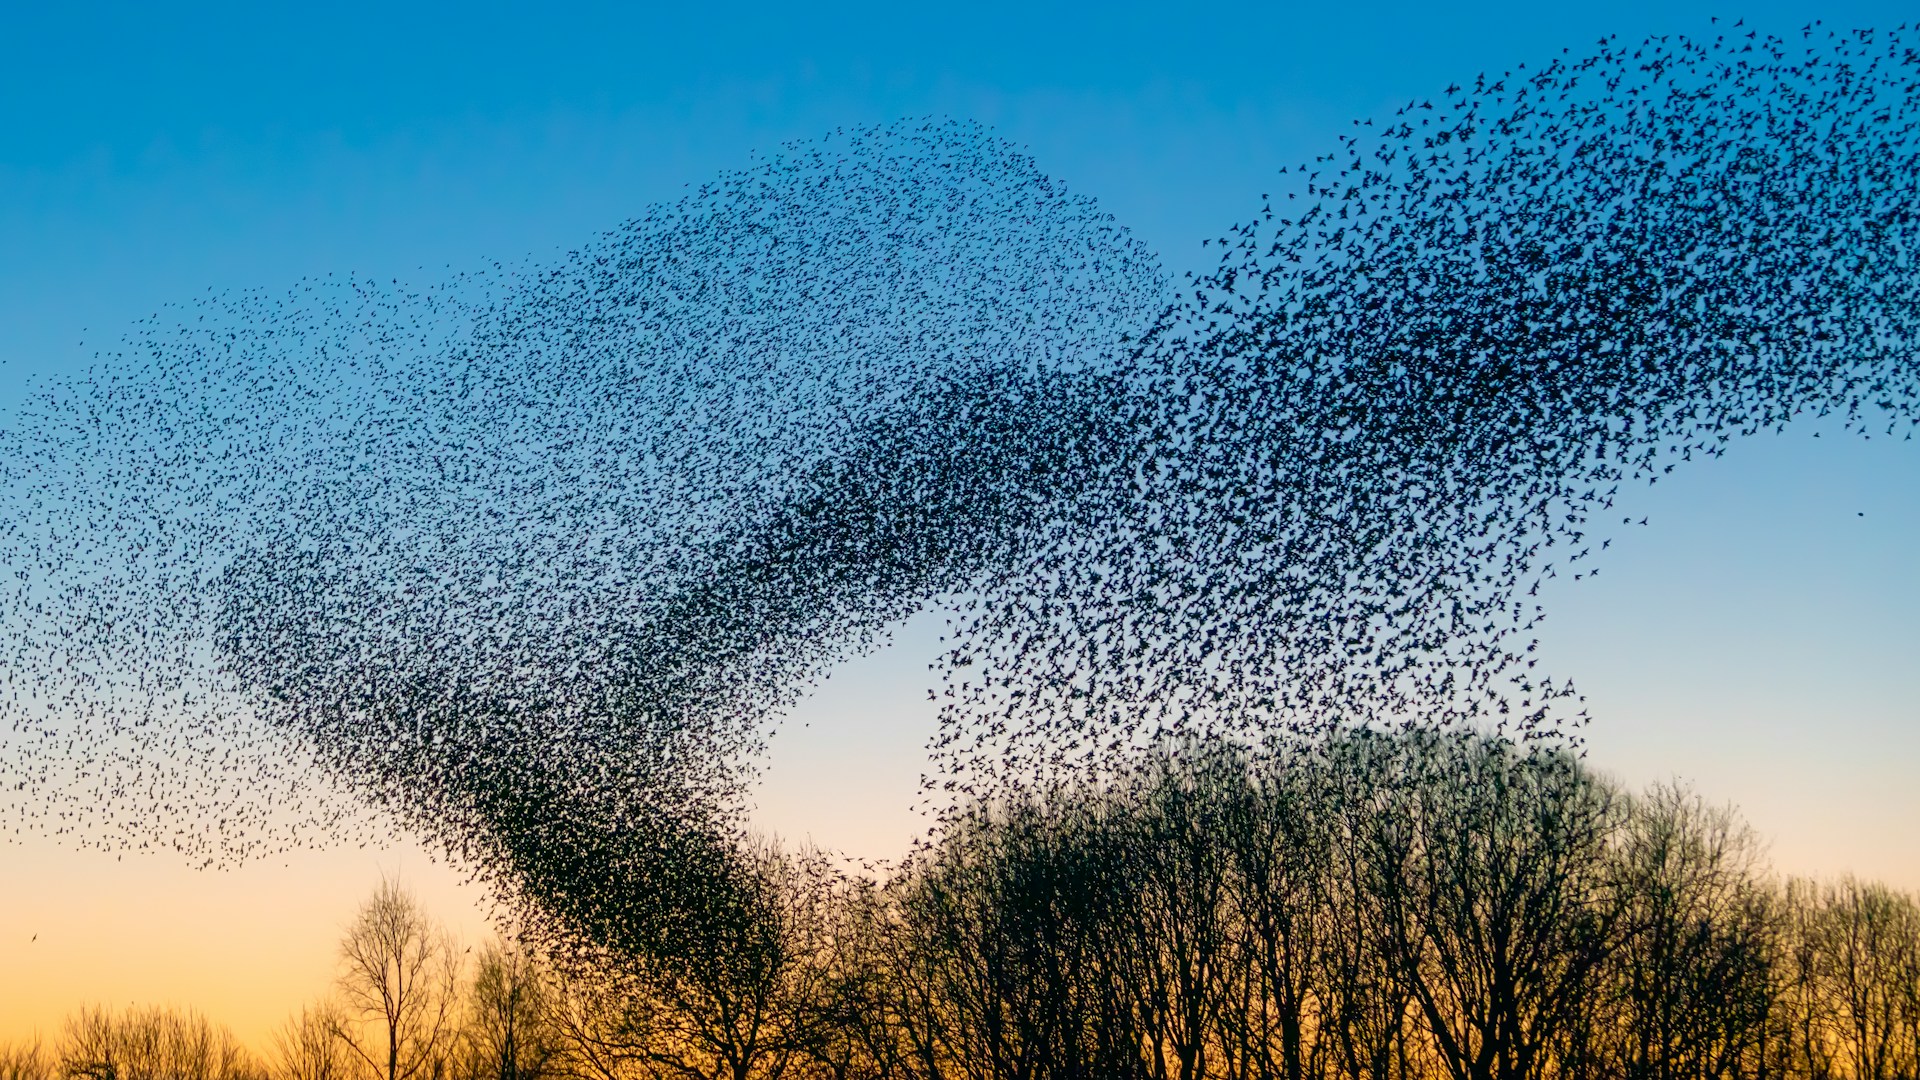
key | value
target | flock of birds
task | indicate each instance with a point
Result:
(529, 561)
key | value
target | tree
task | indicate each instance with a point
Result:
(1506, 910)
(845, 1027)
(589, 1015)
(152, 1044)
(1867, 937)
(1175, 827)
(398, 988)
(1386, 906)
(741, 989)
(1370, 849)
(508, 1033)
(1804, 1019)
(1688, 991)
(24, 1061)
(1279, 835)
(310, 1046)
(1003, 969)
(737, 1003)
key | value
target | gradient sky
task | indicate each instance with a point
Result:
(1758, 638)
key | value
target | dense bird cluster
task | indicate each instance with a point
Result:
(590, 520)
(529, 560)
(1411, 389)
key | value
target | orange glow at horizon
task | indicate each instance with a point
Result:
(246, 947)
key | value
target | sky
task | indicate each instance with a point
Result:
(1756, 638)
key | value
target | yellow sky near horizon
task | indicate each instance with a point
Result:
(246, 947)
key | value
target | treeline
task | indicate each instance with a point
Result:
(1367, 906)
(409, 1004)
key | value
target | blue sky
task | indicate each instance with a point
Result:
(152, 151)
(1758, 637)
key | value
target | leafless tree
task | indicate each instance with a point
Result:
(1866, 937)
(1506, 912)
(152, 1044)
(1803, 1031)
(1279, 832)
(24, 1061)
(589, 1013)
(742, 993)
(1172, 871)
(309, 1046)
(398, 988)
(1687, 993)
(508, 1034)
(847, 1029)
(1005, 929)
(1365, 906)
(1369, 1003)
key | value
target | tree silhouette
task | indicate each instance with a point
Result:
(507, 1034)
(154, 1043)
(1687, 992)
(398, 987)
(24, 1061)
(310, 1046)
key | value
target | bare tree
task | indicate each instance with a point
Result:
(1803, 1029)
(589, 1014)
(1387, 906)
(24, 1061)
(1506, 912)
(846, 1028)
(1004, 928)
(1688, 992)
(152, 1044)
(738, 1007)
(89, 1046)
(310, 1047)
(1174, 866)
(1279, 833)
(742, 991)
(398, 987)
(1371, 848)
(1867, 936)
(508, 1034)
